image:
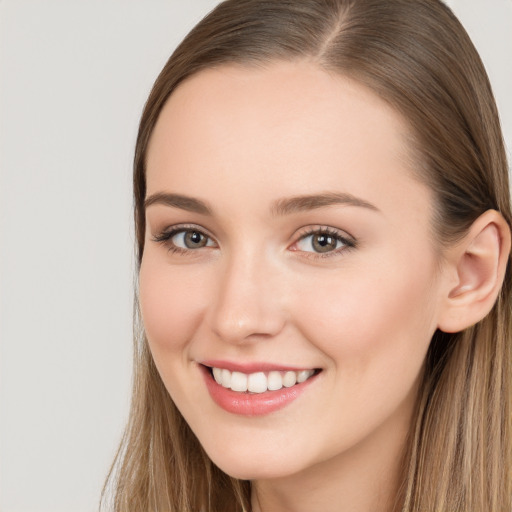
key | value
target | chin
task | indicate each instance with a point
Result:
(243, 471)
(255, 464)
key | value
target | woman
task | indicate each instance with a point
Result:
(323, 224)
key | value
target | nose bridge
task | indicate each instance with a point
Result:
(248, 303)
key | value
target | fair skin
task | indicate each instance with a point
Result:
(349, 284)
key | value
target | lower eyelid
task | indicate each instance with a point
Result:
(336, 253)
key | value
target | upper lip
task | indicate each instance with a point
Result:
(254, 367)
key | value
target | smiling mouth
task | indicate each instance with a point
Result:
(259, 382)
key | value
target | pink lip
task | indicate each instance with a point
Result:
(250, 367)
(252, 404)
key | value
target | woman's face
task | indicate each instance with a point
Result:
(287, 239)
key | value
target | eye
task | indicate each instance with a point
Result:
(184, 239)
(323, 242)
(190, 239)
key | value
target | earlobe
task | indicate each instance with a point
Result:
(478, 266)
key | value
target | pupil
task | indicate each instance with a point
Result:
(324, 243)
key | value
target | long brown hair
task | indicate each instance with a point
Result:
(416, 56)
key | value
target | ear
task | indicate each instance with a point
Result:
(476, 269)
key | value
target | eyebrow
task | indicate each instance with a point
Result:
(310, 202)
(281, 207)
(190, 204)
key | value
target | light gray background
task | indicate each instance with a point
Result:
(74, 77)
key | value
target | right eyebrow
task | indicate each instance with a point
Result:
(187, 203)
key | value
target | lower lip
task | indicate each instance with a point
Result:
(253, 404)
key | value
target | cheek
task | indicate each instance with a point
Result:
(363, 318)
(171, 304)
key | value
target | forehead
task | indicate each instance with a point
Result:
(277, 130)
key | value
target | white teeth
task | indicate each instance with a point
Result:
(303, 375)
(289, 379)
(275, 381)
(217, 375)
(259, 382)
(225, 377)
(238, 381)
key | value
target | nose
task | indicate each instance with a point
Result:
(249, 303)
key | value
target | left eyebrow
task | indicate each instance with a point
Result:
(297, 204)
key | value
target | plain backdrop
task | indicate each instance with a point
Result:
(74, 75)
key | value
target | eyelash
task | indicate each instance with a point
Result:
(348, 242)
(165, 238)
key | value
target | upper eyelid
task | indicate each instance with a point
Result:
(311, 230)
(305, 230)
(177, 228)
